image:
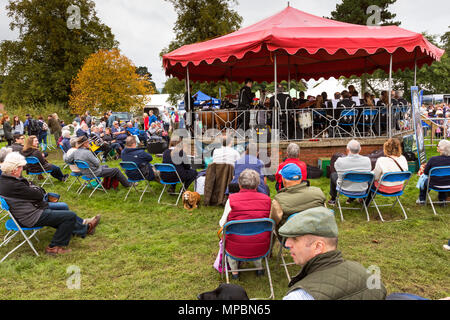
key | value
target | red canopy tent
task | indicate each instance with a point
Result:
(306, 46)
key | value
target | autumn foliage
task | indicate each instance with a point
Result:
(108, 81)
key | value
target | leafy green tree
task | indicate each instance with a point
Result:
(200, 20)
(40, 65)
(143, 72)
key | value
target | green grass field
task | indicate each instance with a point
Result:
(150, 251)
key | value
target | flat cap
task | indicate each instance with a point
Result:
(318, 221)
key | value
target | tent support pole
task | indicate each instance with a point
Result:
(415, 68)
(231, 80)
(189, 116)
(289, 75)
(390, 109)
(275, 126)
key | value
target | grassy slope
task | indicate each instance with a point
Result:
(148, 251)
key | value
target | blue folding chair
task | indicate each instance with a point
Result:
(244, 228)
(391, 177)
(131, 166)
(76, 177)
(347, 119)
(82, 165)
(354, 177)
(45, 173)
(437, 172)
(169, 168)
(14, 229)
(368, 119)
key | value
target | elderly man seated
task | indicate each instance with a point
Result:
(352, 162)
(226, 154)
(83, 131)
(312, 239)
(28, 206)
(65, 142)
(297, 196)
(248, 203)
(141, 158)
(73, 147)
(83, 153)
(293, 156)
(119, 133)
(103, 146)
(443, 160)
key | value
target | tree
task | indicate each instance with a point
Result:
(39, 66)
(108, 81)
(143, 72)
(200, 20)
(355, 11)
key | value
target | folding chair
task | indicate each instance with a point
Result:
(368, 119)
(82, 165)
(244, 228)
(437, 172)
(45, 173)
(347, 119)
(14, 229)
(355, 177)
(76, 176)
(169, 168)
(131, 166)
(391, 177)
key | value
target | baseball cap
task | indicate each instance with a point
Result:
(291, 172)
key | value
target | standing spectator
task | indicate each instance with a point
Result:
(393, 161)
(443, 160)
(237, 208)
(18, 125)
(88, 119)
(293, 156)
(32, 126)
(146, 119)
(7, 129)
(176, 120)
(111, 119)
(166, 120)
(42, 137)
(31, 149)
(141, 158)
(352, 162)
(152, 118)
(55, 126)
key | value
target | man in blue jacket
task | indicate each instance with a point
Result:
(142, 159)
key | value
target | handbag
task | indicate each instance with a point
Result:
(218, 262)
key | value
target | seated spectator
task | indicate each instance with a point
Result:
(237, 208)
(141, 158)
(28, 206)
(134, 131)
(393, 161)
(248, 161)
(73, 147)
(352, 162)
(19, 140)
(97, 139)
(179, 159)
(3, 153)
(65, 143)
(293, 156)
(83, 131)
(384, 101)
(226, 154)
(312, 239)
(119, 133)
(346, 101)
(31, 149)
(296, 196)
(438, 161)
(83, 153)
(108, 138)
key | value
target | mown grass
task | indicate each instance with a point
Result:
(150, 251)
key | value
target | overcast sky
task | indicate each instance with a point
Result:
(144, 27)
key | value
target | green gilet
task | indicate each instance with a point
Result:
(329, 277)
(299, 198)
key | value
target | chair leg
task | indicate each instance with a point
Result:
(162, 192)
(432, 205)
(179, 195)
(340, 209)
(226, 271)
(126, 196)
(379, 213)
(367, 211)
(272, 295)
(403, 209)
(285, 268)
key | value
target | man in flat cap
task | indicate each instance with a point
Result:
(296, 196)
(312, 238)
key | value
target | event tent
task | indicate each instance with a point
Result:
(303, 46)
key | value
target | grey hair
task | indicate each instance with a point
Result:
(249, 179)
(66, 134)
(3, 153)
(354, 146)
(293, 150)
(73, 142)
(444, 146)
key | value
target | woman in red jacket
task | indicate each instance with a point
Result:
(248, 203)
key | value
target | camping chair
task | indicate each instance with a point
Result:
(14, 229)
(83, 165)
(391, 177)
(368, 120)
(437, 172)
(131, 166)
(248, 228)
(45, 173)
(169, 168)
(355, 177)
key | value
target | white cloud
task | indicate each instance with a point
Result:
(144, 28)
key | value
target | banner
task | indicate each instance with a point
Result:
(418, 129)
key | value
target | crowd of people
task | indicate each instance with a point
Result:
(440, 115)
